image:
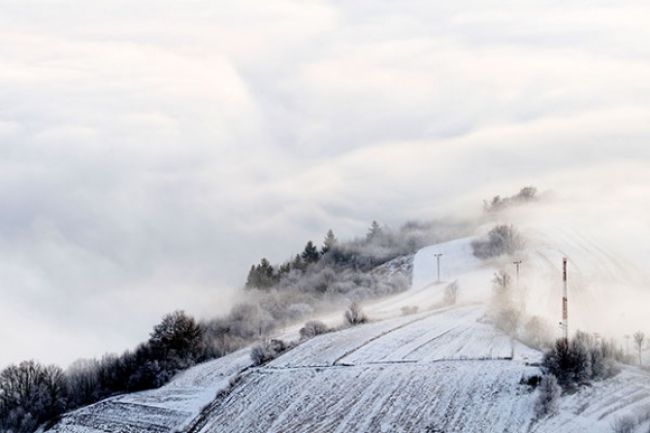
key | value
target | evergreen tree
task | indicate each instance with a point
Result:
(266, 274)
(374, 232)
(329, 242)
(252, 281)
(310, 254)
(261, 276)
(298, 263)
(285, 268)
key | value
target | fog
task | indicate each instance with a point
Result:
(602, 231)
(151, 151)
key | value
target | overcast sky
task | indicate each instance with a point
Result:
(150, 151)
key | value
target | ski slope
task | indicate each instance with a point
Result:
(445, 369)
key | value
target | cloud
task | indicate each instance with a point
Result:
(150, 152)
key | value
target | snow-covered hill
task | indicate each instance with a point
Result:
(443, 369)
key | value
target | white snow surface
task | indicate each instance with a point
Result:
(443, 369)
(165, 409)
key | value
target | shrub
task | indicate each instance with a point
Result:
(526, 194)
(505, 316)
(547, 402)
(502, 239)
(312, 329)
(579, 361)
(451, 293)
(354, 316)
(266, 351)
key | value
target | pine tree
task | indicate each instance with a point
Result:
(267, 273)
(298, 263)
(252, 281)
(374, 232)
(261, 276)
(285, 268)
(310, 254)
(329, 242)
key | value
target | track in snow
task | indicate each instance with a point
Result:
(446, 369)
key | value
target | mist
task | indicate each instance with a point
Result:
(601, 231)
(150, 152)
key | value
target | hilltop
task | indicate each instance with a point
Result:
(442, 368)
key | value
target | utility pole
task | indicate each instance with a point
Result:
(517, 263)
(522, 298)
(565, 302)
(438, 255)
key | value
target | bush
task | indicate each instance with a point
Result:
(451, 293)
(354, 316)
(267, 351)
(502, 239)
(312, 329)
(506, 317)
(547, 402)
(579, 361)
(526, 194)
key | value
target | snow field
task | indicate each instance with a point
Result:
(468, 396)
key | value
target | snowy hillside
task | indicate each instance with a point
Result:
(443, 369)
(165, 409)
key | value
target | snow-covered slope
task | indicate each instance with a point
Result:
(443, 369)
(166, 409)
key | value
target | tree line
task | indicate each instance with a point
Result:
(380, 245)
(335, 272)
(32, 394)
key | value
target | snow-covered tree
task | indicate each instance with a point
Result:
(310, 254)
(547, 402)
(374, 232)
(639, 339)
(354, 315)
(451, 293)
(312, 329)
(502, 239)
(329, 242)
(266, 351)
(178, 333)
(30, 393)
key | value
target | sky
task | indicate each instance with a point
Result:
(150, 151)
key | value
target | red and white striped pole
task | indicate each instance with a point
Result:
(565, 302)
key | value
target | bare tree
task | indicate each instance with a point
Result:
(451, 293)
(547, 402)
(639, 339)
(354, 315)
